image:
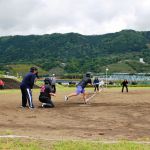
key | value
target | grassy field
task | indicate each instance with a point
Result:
(86, 145)
(9, 91)
(63, 89)
(60, 88)
(16, 144)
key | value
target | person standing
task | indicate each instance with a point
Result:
(96, 85)
(124, 84)
(2, 84)
(53, 78)
(46, 93)
(80, 88)
(101, 85)
(26, 86)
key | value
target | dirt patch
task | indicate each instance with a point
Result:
(111, 115)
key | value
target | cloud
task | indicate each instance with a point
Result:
(81, 16)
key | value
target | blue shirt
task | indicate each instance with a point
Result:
(96, 81)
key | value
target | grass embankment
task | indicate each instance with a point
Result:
(15, 144)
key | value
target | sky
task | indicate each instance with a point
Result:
(87, 17)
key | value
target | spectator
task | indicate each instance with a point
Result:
(2, 84)
(96, 84)
(53, 79)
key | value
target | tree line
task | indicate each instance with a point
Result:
(76, 53)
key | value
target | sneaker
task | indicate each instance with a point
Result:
(46, 106)
(43, 105)
(23, 107)
(87, 101)
(32, 107)
(66, 98)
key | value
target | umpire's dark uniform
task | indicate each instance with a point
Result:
(45, 95)
(26, 86)
(124, 84)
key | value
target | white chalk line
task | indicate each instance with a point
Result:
(13, 136)
(89, 99)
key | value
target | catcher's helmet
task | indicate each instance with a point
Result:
(48, 81)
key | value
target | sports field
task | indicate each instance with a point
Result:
(111, 116)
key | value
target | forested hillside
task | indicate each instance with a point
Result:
(76, 53)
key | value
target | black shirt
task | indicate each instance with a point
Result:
(124, 83)
(45, 90)
(84, 82)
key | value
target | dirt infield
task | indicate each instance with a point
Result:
(111, 115)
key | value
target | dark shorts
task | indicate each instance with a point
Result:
(79, 90)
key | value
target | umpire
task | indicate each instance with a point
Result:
(124, 84)
(26, 86)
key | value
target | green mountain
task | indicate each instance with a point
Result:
(76, 53)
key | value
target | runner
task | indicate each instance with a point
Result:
(101, 85)
(80, 88)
